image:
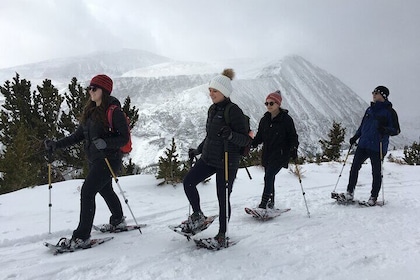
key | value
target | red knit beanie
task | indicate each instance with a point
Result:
(275, 96)
(102, 81)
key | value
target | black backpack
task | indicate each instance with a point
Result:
(244, 150)
(396, 123)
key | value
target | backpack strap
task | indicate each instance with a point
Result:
(109, 114)
(226, 113)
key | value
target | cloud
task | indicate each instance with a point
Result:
(364, 43)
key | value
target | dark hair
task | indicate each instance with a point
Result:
(97, 113)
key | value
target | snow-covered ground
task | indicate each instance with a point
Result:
(336, 242)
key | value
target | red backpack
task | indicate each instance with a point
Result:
(127, 147)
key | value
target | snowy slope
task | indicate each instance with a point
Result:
(61, 71)
(176, 106)
(336, 242)
(172, 96)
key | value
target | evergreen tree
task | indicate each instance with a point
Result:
(47, 106)
(331, 148)
(74, 156)
(412, 154)
(17, 107)
(27, 119)
(130, 168)
(16, 166)
(253, 158)
(171, 170)
(132, 113)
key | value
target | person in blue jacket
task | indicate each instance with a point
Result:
(379, 122)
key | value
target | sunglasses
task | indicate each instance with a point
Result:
(92, 88)
(269, 103)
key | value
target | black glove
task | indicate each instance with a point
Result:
(353, 140)
(293, 154)
(50, 145)
(225, 132)
(192, 153)
(382, 130)
(99, 143)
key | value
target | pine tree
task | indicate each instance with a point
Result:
(27, 119)
(412, 154)
(171, 170)
(253, 158)
(16, 165)
(47, 106)
(132, 113)
(17, 108)
(331, 148)
(130, 168)
(74, 156)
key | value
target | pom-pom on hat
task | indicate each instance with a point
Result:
(102, 81)
(384, 91)
(275, 96)
(223, 82)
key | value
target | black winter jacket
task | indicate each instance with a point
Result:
(212, 147)
(279, 138)
(92, 129)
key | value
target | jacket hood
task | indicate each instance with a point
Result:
(282, 111)
(386, 103)
(114, 101)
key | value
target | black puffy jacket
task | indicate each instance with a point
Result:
(92, 129)
(212, 147)
(279, 138)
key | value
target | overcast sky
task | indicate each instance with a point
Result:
(364, 43)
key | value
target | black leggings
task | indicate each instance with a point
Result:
(198, 173)
(269, 177)
(99, 180)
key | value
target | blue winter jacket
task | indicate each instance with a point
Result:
(379, 114)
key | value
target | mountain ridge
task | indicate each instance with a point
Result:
(173, 100)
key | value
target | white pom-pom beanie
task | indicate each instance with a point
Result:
(223, 84)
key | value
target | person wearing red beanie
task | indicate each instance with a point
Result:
(277, 133)
(103, 82)
(99, 143)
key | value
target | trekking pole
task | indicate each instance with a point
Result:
(227, 190)
(121, 191)
(382, 171)
(249, 174)
(301, 187)
(333, 194)
(49, 189)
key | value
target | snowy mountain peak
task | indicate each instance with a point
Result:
(172, 96)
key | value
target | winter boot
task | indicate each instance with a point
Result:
(114, 225)
(119, 225)
(372, 201)
(220, 238)
(75, 243)
(263, 203)
(349, 196)
(196, 220)
(270, 204)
